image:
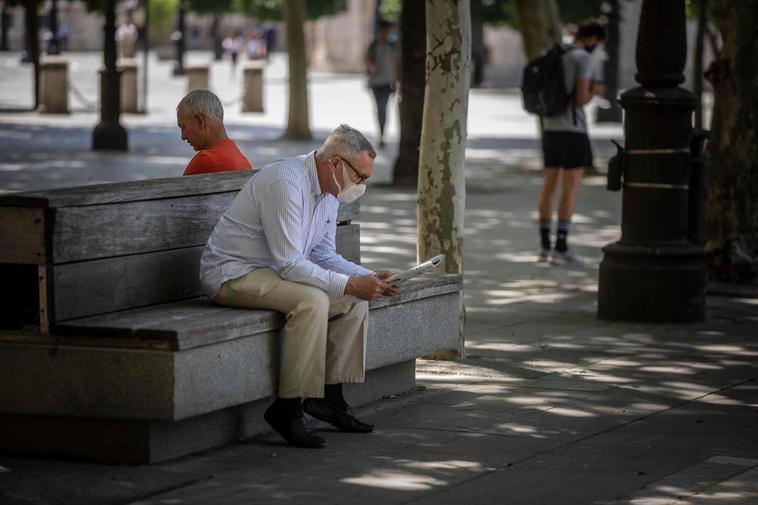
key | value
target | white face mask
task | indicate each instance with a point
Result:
(352, 191)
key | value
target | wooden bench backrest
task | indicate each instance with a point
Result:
(98, 249)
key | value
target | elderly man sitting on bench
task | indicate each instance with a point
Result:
(200, 117)
(274, 248)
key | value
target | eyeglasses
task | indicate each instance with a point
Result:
(363, 178)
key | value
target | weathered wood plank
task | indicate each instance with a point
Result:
(104, 231)
(46, 297)
(86, 341)
(106, 285)
(135, 191)
(22, 235)
(131, 191)
(153, 225)
(196, 322)
(85, 288)
(188, 323)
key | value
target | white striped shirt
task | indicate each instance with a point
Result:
(281, 220)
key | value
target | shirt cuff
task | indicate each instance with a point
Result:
(337, 284)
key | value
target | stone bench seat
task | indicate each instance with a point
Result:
(108, 351)
(204, 357)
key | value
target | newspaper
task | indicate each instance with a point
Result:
(399, 277)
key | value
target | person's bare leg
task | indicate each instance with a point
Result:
(571, 180)
(549, 184)
(545, 208)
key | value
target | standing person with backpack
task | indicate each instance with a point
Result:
(565, 142)
(383, 68)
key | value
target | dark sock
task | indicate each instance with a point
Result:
(545, 233)
(291, 407)
(333, 394)
(563, 230)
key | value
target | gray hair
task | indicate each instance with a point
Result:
(202, 101)
(345, 141)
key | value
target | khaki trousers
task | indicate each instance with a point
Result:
(324, 339)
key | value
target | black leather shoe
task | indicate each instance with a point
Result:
(344, 420)
(296, 431)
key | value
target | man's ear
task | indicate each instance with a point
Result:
(202, 121)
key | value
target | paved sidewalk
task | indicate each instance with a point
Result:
(550, 405)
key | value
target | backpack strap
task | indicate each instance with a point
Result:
(371, 52)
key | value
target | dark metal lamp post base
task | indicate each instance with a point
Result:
(661, 285)
(109, 136)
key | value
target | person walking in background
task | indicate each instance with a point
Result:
(566, 144)
(126, 38)
(233, 44)
(200, 117)
(255, 45)
(383, 68)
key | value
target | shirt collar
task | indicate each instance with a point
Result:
(310, 165)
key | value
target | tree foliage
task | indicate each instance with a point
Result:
(209, 6)
(274, 9)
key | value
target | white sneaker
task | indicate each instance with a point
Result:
(565, 258)
(543, 256)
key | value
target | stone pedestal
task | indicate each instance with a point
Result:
(197, 77)
(129, 100)
(252, 99)
(53, 85)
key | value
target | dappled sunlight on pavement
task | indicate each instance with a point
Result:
(549, 405)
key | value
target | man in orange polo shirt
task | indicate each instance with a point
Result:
(200, 117)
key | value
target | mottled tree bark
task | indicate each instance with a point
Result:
(731, 228)
(297, 118)
(411, 93)
(441, 183)
(539, 24)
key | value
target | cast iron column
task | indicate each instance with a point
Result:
(145, 53)
(109, 134)
(31, 54)
(654, 273)
(53, 44)
(179, 37)
(5, 23)
(611, 66)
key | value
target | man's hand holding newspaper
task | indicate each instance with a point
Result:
(397, 278)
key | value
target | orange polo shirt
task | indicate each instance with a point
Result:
(224, 156)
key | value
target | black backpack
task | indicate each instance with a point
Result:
(543, 87)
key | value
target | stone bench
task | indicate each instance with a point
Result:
(108, 350)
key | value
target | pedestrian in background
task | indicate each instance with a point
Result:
(383, 68)
(233, 45)
(566, 143)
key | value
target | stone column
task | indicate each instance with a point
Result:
(128, 69)
(654, 273)
(252, 100)
(197, 77)
(53, 85)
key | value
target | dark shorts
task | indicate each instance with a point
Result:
(566, 150)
